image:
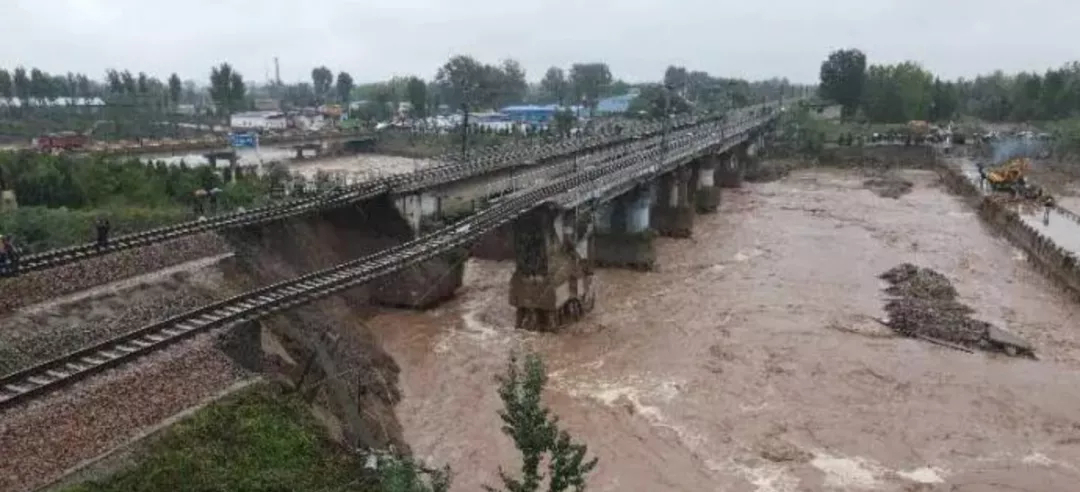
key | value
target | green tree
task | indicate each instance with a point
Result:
(344, 87)
(116, 85)
(130, 84)
(417, 94)
(677, 78)
(945, 101)
(654, 99)
(142, 84)
(84, 87)
(843, 75)
(20, 83)
(461, 80)
(898, 93)
(555, 85)
(41, 85)
(6, 84)
(176, 88)
(322, 79)
(535, 432)
(589, 81)
(227, 89)
(508, 84)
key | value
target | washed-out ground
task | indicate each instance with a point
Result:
(750, 361)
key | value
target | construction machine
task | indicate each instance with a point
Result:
(1009, 177)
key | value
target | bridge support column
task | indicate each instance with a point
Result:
(552, 284)
(673, 212)
(299, 153)
(707, 194)
(729, 174)
(623, 234)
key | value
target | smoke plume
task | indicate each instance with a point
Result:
(1011, 148)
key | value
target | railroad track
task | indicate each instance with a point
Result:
(479, 164)
(39, 379)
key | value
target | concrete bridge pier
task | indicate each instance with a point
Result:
(730, 172)
(553, 282)
(624, 237)
(673, 210)
(707, 194)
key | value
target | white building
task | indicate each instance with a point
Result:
(14, 102)
(309, 121)
(259, 120)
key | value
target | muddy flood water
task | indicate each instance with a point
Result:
(750, 360)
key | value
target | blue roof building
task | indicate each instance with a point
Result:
(536, 114)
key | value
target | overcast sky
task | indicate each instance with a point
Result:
(376, 39)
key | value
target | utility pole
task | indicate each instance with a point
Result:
(464, 131)
(667, 122)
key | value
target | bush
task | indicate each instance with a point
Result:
(41, 228)
(60, 196)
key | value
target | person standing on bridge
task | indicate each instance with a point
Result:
(102, 227)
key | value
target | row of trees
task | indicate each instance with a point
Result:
(462, 80)
(906, 91)
(38, 84)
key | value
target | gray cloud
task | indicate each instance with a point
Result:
(375, 39)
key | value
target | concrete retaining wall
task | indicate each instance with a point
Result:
(1049, 258)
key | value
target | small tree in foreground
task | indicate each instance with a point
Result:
(536, 433)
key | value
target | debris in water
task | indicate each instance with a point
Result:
(924, 305)
(889, 186)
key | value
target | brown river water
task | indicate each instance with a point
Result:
(750, 360)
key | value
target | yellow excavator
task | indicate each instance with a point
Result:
(1009, 177)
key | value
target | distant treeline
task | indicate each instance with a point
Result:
(906, 91)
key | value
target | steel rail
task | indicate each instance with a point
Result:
(482, 163)
(33, 381)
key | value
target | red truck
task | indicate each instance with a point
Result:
(61, 141)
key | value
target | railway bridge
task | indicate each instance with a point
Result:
(562, 208)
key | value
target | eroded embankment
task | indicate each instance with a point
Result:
(350, 381)
(325, 347)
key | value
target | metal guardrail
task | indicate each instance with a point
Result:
(39, 379)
